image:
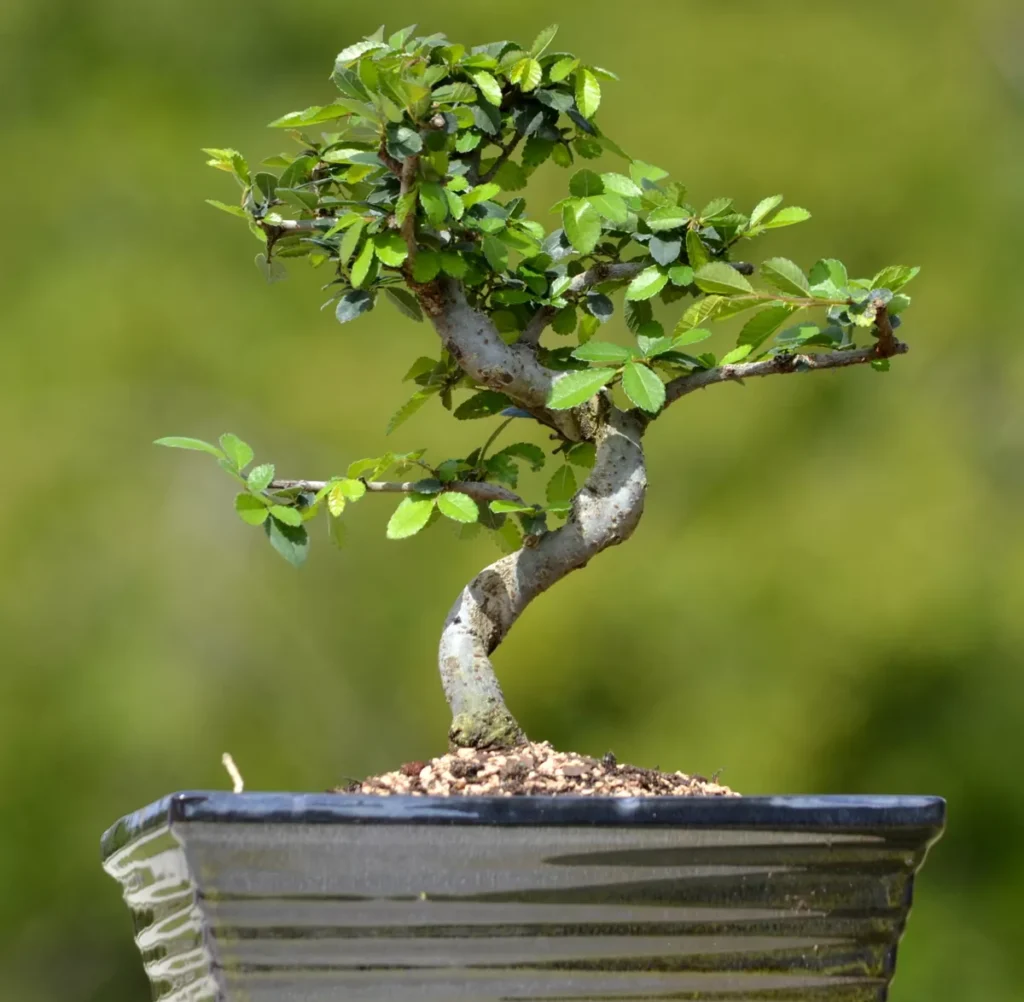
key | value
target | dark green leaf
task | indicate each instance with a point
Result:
(696, 252)
(352, 304)
(434, 202)
(410, 407)
(405, 302)
(291, 541)
(403, 142)
(425, 266)
(665, 250)
(485, 403)
(562, 486)
(582, 454)
(764, 323)
(533, 454)
(496, 253)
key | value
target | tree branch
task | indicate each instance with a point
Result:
(781, 365)
(478, 491)
(605, 512)
(506, 152)
(599, 273)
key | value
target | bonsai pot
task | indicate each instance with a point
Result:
(288, 897)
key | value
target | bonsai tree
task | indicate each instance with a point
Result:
(407, 189)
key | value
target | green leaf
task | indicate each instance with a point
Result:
(786, 276)
(586, 182)
(601, 351)
(763, 209)
(336, 531)
(715, 208)
(352, 304)
(681, 275)
(647, 284)
(361, 266)
(737, 354)
(496, 253)
(425, 266)
(403, 142)
(588, 93)
(691, 336)
(562, 486)
(764, 323)
(291, 541)
(543, 40)
(894, 277)
(485, 403)
(350, 241)
(532, 454)
(405, 302)
(459, 507)
(481, 193)
(391, 249)
(574, 388)
(509, 507)
(667, 217)
(290, 516)
(830, 276)
(488, 86)
(643, 387)
(353, 52)
(582, 224)
(251, 510)
(238, 452)
(583, 454)
(528, 74)
(410, 516)
(611, 206)
(410, 407)
(563, 68)
(621, 185)
(311, 116)
(234, 210)
(434, 202)
(700, 312)
(787, 217)
(260, 477)
(721, 279)
(193, 444)
(696, 252)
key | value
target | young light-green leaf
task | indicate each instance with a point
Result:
(251, 510)
(260, 477)
(738, 353)
(456, 506)
(574, 388)
(588, 93)
(764, 323)
(193, 444)
(582, 224)
(391, 249)
(643, 387)
(787, 217)
(410, 516)
(361, 266)
(239, 453)
(290, 516)
(719, 278)
(488, 86)
(786, 276)
(601, 351)
(763, 209)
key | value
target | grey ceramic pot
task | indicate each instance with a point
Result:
(302, 898)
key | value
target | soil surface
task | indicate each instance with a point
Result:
(535, 769)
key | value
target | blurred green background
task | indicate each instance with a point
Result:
(824, 595)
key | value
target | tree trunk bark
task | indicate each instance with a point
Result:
(604, 513)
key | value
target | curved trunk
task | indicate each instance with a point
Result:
(605, 512)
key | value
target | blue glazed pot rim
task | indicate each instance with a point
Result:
(834, 814)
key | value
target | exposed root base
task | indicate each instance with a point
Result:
(533, 769)
(494, 730)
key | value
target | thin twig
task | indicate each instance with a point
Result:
(478, 491)
(506, 152)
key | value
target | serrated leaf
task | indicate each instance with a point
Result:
(352, 304)
(787, 217)
(621, 185)
(715, 208)
(894, 277)
(353, 52)
(260, 477)
(458, 507)
(721, 279)
(485, 403)
(290, 541)
(786, 276)
(488, 86)
(192, 444)
(764, 323)
(496, 253)
(647, 284)
(410, 407)
(251, 510)
(643, 387)
(289, 516)
(543, 40)
(691, 336)
(532, 454)
(410, 516)
(583, 454)
(681, 275)
(425, 266)
(737, 354)
(234, 210)
(350, 241)
(667, 217)
(481, 193)
(311, 116)
(239, 453)
(403, 142)
(361, 266)
(561, 487)
(601, 351)
(391, 249)
(611, 206)
(509, 507)
(434, 202)
(585, 182)
(696, 252)
(405, 302)
(701, 311)
(665, 250)
(574, 388)
(763, 209)
(582, 224)
(529, 74)
(588, 93)
(563, 68)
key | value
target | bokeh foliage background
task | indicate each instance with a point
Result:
(825, 593)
